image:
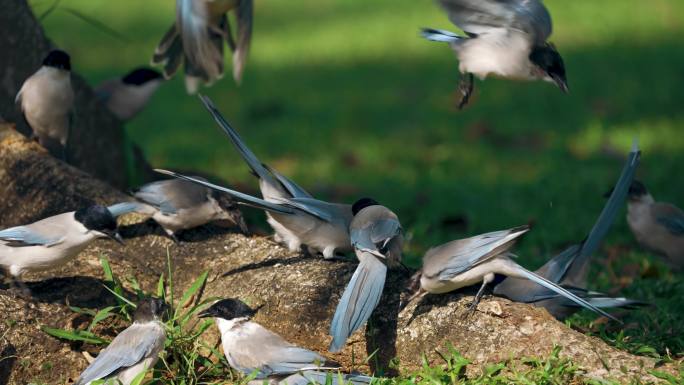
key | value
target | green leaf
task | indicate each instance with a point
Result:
(192, 290)
(160, 286)
(120, 297)
(76, 335)
(109, 275)
(101, 315)
(136, 286)
(664, 376)
(138, 380)
(80, 310)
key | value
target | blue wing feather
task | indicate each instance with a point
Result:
(25, 236)
(358, 300)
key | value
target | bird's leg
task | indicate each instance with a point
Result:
(476, 301)
(420, 293)
(173, 236)
(465, 87)
(20, 289)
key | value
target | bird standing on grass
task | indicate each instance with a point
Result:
(197, 36)
(134, 350)
(252, 349)
(46, 100)
(127, 96)
(657, 226)
(377, 238)
(505, 38)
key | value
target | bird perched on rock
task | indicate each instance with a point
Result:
(197, 36)
(478, 259)
(251, 348)
(505, 38)
(46, 99)
(657, 226)
(377, 238)
(177, 204)
(126, 96)
(569, 268)
(134, 350)
(54, 241)
(296, 217)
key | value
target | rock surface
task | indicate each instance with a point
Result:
(298, 293)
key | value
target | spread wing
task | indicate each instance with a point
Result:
(131, 346)
(450, 259)
(26, 236)
(484, 16)
(315, 207)
(293, 188)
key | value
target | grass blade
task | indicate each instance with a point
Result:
(192, 290)
(76, 335)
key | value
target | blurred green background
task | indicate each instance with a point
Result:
(346, 98)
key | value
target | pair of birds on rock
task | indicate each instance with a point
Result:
(249, 348)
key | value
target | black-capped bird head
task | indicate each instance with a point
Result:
(58, 59)
(362, 204)
(150, 309)
(550, 64)
(99, 219)
(637, 191)
(140, 76)
(230, 210)
(228, 309)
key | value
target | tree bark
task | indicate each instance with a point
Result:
(96, 141)
(297, 293)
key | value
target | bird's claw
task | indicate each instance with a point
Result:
(465, 87)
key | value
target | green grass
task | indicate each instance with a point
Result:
(345, 98)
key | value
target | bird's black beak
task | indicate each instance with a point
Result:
(207, 313)
(561, 82)
(114, 235)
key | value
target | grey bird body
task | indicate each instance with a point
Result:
(478, 259)
(126, 97)
(319, 225)
(53, 241)
(177, 204)
(133, 351)
(296, 217)
(376, 236)
(46, 99)
(251, 348)
(569, 268)
(657, 226)
(504, 38)
(197, 39)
